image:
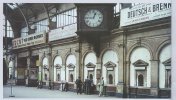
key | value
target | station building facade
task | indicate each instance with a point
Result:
(134, 59)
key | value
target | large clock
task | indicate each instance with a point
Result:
(93, 18)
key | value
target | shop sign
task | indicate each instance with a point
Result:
(110, 68)
(30, 40)
(140, 68)
(144, 12)
(90, 68)
(61, 33)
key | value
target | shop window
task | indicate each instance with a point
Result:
(110, 79)
(58, 77)
(45, 76)
(140, 80)
(71, 77)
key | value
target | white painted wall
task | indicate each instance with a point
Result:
(71, 59)
(143, 54)
(58, 60)
(90, 57)
(164, 55)
(110, 55)
(45, 62)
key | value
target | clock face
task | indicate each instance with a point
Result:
(93, 18)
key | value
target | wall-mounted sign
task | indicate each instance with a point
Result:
(30, 40)
(144, 12)
(61, 33)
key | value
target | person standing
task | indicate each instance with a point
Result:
(87, 85)
(91, 84)
(66, 87)
(101, 86)
(79, 85)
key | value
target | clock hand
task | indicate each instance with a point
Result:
(94, 16)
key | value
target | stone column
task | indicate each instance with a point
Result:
(28, 69)
(40, 67)
(154, 77)
(120, 83)
(128, 78)
(51, 75)
(122, 74)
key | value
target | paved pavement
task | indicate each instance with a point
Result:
(33, 92)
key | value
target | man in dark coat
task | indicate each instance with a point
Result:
(79, 85)
(66, 87)
(91, 86)
(88, 84)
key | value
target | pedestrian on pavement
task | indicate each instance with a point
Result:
(66, 87)
(79, 85)
(101, 87)
(84, 87)
(88, 84)
(91, 84)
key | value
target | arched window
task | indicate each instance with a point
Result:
(91, 76)
(45, 76)
(71, 77)
(140, 80)
(110, 79)
(58, 77)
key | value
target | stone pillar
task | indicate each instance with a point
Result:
(51, 70)
(128, 78)
(40, 68)
(28, 69)
(154, 77)
(99, 73)
(120, 84)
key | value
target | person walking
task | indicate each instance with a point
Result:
(79, 85)
(101, 87)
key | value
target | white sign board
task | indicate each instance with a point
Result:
(139, 68)
(144, 12)
(61, 33)
(30, 40)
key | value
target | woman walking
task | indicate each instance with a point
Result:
(101, 87)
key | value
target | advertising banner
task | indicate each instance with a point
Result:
(144, 12)
(61, 33)
(30, 40)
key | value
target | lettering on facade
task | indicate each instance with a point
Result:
(30, 40)
(144, 12)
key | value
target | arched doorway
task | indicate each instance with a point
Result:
(90, 66)
(140, 65)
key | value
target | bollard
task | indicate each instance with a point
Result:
(11, 95)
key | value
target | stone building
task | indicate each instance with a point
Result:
(130, 47)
